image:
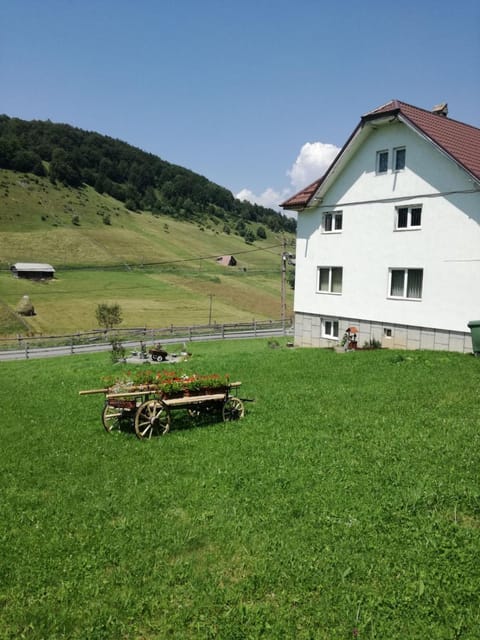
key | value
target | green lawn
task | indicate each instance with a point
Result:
(345, 504)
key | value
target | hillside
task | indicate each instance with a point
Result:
(141, 181)
(160, 269)
(122, 225)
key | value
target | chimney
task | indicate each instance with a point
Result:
(441, 109)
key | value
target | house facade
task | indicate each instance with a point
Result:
(388, 240)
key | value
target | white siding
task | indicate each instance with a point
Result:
(447, 247)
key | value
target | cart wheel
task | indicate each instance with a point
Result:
(152, 418)
(154, 357)
(233, 409)
(111, 418)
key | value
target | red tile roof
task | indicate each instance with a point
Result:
(459, 140)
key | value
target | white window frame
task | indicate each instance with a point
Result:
(396, 151)
(335, 223)
(409, 226)
(330, 328)
(381, 153)
(404, 295)
(330, 280)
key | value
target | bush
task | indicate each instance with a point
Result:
(118, 351)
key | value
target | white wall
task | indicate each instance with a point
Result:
(447, 246)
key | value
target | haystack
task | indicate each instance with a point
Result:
(25, 307)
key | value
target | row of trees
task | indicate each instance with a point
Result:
(141, 180)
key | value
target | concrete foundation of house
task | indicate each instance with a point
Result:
(309, 333)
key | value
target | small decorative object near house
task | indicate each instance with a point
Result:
(158, 353)
(145, 400)
(349, 340)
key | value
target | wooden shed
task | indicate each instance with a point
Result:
(32, 270)
(226, 261)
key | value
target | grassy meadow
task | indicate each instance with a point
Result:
(93, 263)
(346, 504)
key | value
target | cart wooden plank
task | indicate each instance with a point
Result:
(188, 400)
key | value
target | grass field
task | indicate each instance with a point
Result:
(345, 504)
(147, 297)
(36, 226)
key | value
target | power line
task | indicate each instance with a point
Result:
(127, 266)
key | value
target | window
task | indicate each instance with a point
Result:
(408, 218)
(399, 158)
(406, 283)
(330, 279)
(382, 161)
(330, 328)
(332, 221)
(387, 332)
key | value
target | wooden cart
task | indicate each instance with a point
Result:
(149, 411)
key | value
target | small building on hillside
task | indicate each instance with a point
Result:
(32, 270)
(226, 261)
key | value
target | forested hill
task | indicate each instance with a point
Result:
(142, 181)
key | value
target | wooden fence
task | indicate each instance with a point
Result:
(101, 339)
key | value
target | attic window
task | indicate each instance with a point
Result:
(399, 158)
(332, 221)
(382, 161)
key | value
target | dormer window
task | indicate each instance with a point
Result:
(382, 161)
(399, 158)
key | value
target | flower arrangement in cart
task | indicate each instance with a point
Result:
(170, 383)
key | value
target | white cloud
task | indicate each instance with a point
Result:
(311, 163)
(269, 197)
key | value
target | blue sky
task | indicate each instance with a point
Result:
(256, 95)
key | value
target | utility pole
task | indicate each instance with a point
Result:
(284, 282)
(290, 259)
(210, 295)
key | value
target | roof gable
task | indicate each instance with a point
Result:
(458, 140)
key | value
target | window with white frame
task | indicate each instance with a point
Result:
(399, 156)
(382, 161)
(408, 217)
(406, 283)
(330, 279)
(332, 221)
(330, 329)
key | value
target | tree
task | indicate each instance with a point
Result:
(261, 233)
(108, 315)
(249, 236)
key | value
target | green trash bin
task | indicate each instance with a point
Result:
(475, 331)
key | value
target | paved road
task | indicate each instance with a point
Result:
(50, 352)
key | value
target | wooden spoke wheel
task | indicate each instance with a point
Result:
(152, 418)
(233, 409)
(113, 418)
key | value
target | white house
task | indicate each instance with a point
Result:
(388, 239)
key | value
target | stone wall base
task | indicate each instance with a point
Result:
(309, 327)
